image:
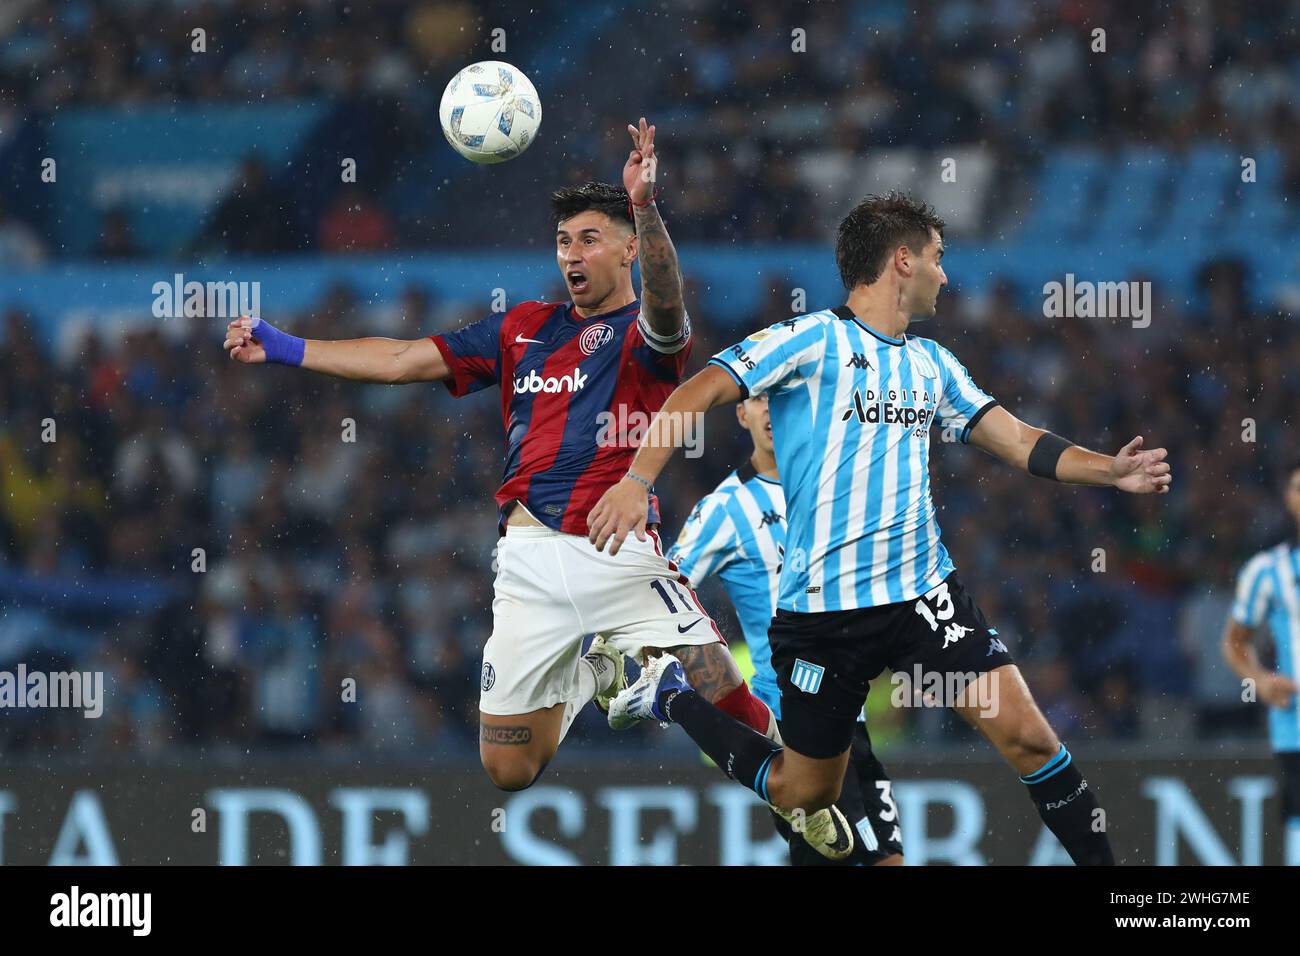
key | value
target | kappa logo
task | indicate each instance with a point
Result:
(769, 517)
(996, 644)
(565, 383)
(594, 337)
(954, 633)
(858, 360)
(807, 677)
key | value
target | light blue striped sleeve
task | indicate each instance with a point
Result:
(962, 402)
(1254, 591)
(770, 359)
(708, 541)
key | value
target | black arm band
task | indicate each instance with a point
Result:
(1047, 452)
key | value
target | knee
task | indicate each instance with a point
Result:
(1028, 748)
(819, 798)
(807, 795)
(511, 773)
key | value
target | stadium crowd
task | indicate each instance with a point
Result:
(208, 536)
(744, 93)
(232, 545)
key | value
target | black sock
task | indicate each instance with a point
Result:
(1068, 807)
(742, 754)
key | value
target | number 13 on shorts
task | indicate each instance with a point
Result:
(943, 606)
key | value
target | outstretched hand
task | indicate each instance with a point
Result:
(1141, 472)
(639, 172)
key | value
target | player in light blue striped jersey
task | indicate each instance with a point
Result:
(738, 533)
(1268, 593)
(867, 583)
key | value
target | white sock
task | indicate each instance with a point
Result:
(594, 673)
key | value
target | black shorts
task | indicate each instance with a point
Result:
(1289, 763)
(867, 802)
(825, 661)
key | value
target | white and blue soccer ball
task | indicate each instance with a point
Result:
(490, 112)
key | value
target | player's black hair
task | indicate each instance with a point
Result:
(876, 227)
(603, 197)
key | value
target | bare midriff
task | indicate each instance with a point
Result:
(517, 514)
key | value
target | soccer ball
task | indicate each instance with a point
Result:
(490, 112)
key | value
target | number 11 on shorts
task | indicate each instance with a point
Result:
(663, 593)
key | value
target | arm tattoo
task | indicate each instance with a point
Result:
(710, 669)
(505, 736)
(661, 278)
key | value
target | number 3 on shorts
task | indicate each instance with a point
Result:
(943, 609)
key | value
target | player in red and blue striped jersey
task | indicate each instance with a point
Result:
(576, 380)
(566, 379)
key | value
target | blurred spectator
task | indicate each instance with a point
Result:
(355, 223)
(253, 218)
(20, 247)
(115, 240)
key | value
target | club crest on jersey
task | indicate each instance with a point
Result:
(921, 361)
(489, 677)
(807, 677)
(594, 337)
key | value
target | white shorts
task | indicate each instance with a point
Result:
(552, 589)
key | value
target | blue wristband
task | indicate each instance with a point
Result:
(281, 347)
